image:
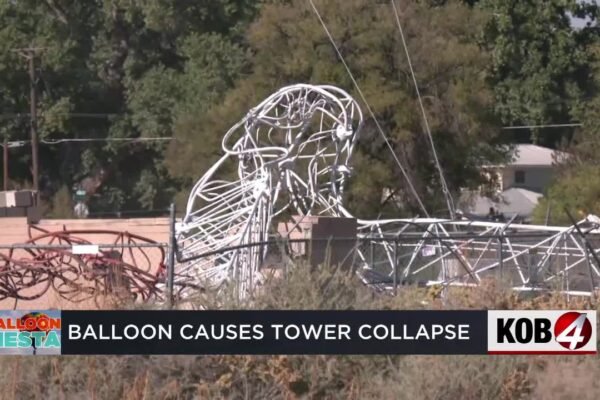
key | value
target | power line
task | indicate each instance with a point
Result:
(140, 139)
(337, 50)
(73, 115)
(14, 143)
(543, 126)
(21, 143)
(445, 190)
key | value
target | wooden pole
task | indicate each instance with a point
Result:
(29, 53)
(34, 135)
(5, 164)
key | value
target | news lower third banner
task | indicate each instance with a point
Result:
(298, 332)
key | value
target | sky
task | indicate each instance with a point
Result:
(580, 23)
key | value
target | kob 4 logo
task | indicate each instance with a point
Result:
(573, 330)
(542, 332)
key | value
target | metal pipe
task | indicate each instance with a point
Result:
(171, 256)
(395, 267)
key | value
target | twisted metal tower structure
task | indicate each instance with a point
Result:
(291, 155)
(288, 154)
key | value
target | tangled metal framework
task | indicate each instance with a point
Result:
(128, 266)
(463, 253)
(290, 154)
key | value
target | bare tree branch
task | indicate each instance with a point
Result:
(57, 10)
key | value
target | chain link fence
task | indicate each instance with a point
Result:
(85, 268)
(98, 268)
(528, 262)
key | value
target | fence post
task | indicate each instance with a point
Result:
(171, 256)
(395, 266)
(372, 255)
(500, 260)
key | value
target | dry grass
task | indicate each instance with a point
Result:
(318, 377)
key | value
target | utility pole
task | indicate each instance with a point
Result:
(29, 54)
(33, 107)
(5, 164)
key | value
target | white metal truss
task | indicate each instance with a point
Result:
(445, 252)
(290, 155)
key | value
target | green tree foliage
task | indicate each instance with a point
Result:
(190, 69)
(540, 67)
(576, 188)
(129, 63)
(290, 46)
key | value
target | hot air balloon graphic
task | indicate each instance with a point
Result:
(29, 326)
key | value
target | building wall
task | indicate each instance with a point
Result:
(536, 178)
(15, 230)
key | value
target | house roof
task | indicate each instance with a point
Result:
(513, 201)
(533, 155)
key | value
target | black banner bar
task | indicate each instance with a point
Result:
(274, 332)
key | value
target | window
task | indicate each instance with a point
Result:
(519, 177)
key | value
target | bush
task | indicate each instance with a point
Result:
(323, 377)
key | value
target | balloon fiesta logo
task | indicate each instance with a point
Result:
(35, 330)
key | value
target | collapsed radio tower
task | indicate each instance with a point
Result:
(291, 155)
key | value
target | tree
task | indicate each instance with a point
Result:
(540, 69)
(576, 187)
(290, 46)
(109, 69)
(214, 65)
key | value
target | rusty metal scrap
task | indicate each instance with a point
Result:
(128, 267)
